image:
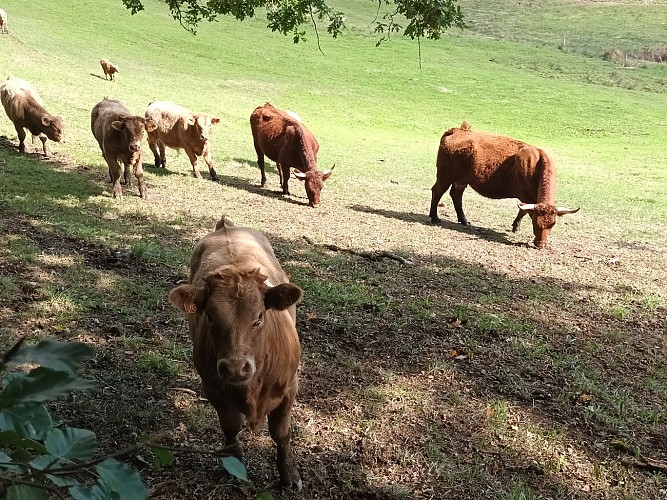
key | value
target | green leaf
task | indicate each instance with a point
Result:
(59, 356)
(40, 385)
(71, 443)
(163, 455)
(122, 479)
(100, 491)
(12, 439)
(7, 463)
(62, 481)
(25, 492)
(44, 461)
(235, 467)
(31, 421)
(265, 495)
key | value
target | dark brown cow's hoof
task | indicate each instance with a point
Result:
(214, 176)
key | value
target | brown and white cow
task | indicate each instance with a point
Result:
(25, 109)
(3, 22)
(497, 166)
(109, 69)
(120, 134)
(178, 127)
(241, 312)
(288, 142)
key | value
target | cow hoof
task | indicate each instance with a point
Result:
(294, 484)
(157, 163)
(435, 220)
(21, 148)
(197, 175)
(214, 176)
(464, 222)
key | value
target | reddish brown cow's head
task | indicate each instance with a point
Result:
(231, 308)
(53, 127)
(197, 128)
(314, 182)
(132, 128)
(544, 218)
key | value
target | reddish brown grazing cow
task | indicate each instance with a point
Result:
(3, 22)
(241, 310)
(120, 134)
(497, 167)
(25, 109)
(289, 143)
(109, 69)
(178, 127)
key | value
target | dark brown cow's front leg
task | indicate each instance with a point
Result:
(280, 428)
(260, 164)
(114, 172)
(456, 192)
(517, 220)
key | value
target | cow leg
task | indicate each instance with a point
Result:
(193, 162)
(438, 189)
(43, 138)
(280, 429)
(284, 177)
(163, 154)
(114, 172)
(21, 133)
(126, 176)
(260, 164)
(153, 145)
(517, 220)
(139, 174)
(456, 192)
(209, 163)
(231, 420)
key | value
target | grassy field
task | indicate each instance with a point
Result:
(487, 369)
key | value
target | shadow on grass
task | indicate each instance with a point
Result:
(238, 183)
(423, 218)
(423, 381)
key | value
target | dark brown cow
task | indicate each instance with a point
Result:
(120, 134)
(109, 69)
(498, 166)
(285, 140)
(178, 127)
(241, 310)
(25, 109)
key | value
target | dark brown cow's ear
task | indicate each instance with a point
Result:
(188, 298)
(117, 125)
(282, 296)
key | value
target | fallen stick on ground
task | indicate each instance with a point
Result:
(380, 254)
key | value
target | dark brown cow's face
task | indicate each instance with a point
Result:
(232, 309)
(132, 129)
(314, 182)
(54, 127)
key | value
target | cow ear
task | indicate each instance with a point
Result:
(188, 298)
(46, 121)
(150, 124)
(215, 121)
(117, 125)
(191, 121)
(282, 296)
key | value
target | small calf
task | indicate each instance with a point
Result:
(109, 68)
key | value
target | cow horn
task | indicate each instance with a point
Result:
(298, 174)
(526, 206)
(563, 210)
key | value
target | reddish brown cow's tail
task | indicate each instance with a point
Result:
(223, 222)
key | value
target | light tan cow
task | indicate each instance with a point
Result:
(109, 69)
(180, 128)
(25, 109)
